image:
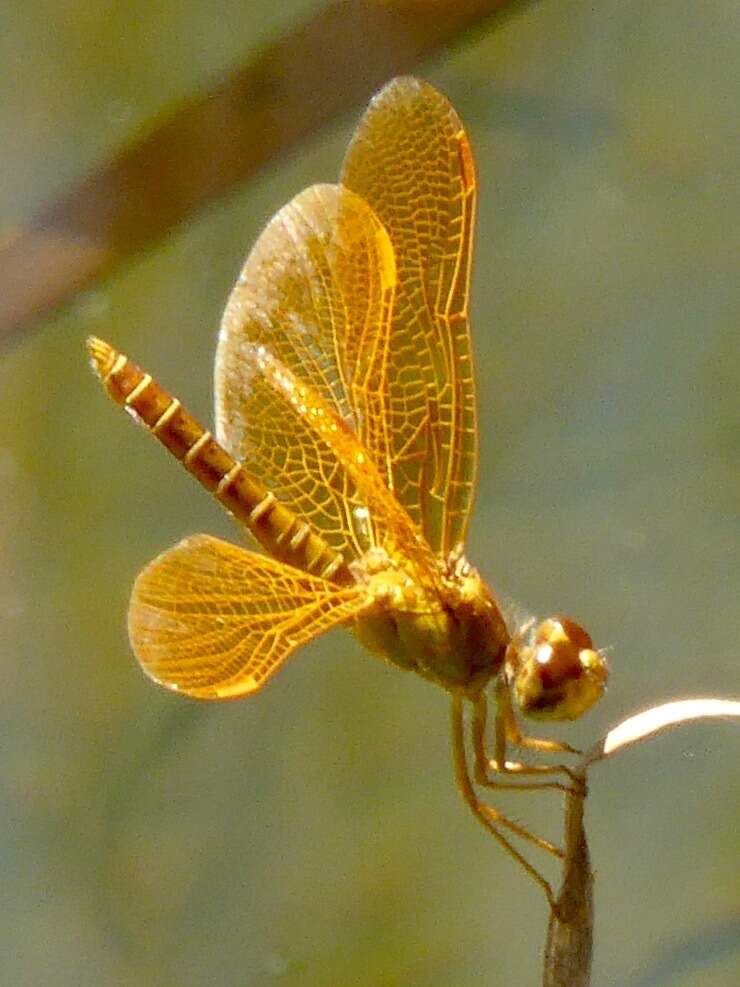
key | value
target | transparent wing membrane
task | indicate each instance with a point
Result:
(216, 621)
(381, 521)
(315, 293)
(410, 160)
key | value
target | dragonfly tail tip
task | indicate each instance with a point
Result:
(102, 356)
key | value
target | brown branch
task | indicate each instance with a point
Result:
(570, 929)
(201, 150)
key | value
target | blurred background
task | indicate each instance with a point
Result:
(313, 835)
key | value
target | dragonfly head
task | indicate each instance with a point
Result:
(556, 671)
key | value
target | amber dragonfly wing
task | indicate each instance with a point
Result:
(410, 160)
(301, 371)
(315, 292)
(215, 621)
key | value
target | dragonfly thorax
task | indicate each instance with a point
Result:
(450, 632)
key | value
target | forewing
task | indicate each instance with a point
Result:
(410, 160)
(316, 293)
(382, 521)
(216, 621)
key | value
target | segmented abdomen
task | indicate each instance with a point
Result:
(284, 535)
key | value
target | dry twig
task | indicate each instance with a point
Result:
(567, 961)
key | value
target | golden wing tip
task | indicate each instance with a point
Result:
(243, 687)
(235, 690)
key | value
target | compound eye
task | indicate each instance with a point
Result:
(557, 662)
(557, 630)
(561, 675)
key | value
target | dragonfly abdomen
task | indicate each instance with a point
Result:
(278, 529)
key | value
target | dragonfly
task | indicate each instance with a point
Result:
(346, 446)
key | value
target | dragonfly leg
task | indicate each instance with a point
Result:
(507, 732)
(499, 764)
(491, 818)
(514, 734)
